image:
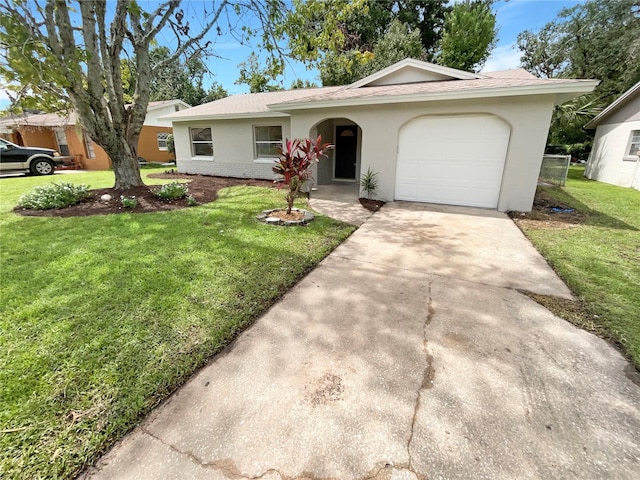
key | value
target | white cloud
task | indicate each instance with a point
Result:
(504, 57)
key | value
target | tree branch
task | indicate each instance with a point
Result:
(194, 40)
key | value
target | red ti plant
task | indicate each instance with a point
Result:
(296, 162)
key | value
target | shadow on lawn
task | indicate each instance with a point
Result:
(549, 200)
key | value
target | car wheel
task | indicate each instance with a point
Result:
(42, 166)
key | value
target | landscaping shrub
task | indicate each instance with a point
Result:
(54, 195)
(128, 202)
(369, 183)
(173, 191)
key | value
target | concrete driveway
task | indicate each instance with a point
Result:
(408, 353)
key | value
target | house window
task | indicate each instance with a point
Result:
(201, 142)
(268, 141)
(88, 143)
(634, 143)
(63, 146)
(162, 141)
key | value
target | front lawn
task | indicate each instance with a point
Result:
(600, 258)
(102, 317)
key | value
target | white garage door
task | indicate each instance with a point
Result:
(455, 160)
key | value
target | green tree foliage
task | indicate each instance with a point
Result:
(298, 83)
(177, 79)
(469, 35)
(398, 43)
(338, 36)
(174, 78)
(428, 16)
(597, 39)
(215, 92)
(259, 79)
(72, 50)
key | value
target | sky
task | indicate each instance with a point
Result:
(513, 17)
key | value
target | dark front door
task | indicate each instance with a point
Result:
(346, 150)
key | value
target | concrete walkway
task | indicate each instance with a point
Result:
(340, 201)
(407, 354)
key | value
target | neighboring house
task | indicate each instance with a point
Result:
(48, 130)
(152, 145)
(63, 134)
(616, 145)
(433, 134)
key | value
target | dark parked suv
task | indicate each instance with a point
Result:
(39, 161)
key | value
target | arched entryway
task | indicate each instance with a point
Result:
(343, 162)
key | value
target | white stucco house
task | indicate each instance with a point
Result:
(162, 108)
(433, 134)
(614, 157)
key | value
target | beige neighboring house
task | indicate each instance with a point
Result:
(63, 134)
(614, 157)
(431, 133)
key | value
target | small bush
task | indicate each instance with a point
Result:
(191, 201)
(54, 195)
(173, 191)
(128, 202)
(369, 183)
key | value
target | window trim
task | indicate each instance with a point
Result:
(256, 158)
(191, 142)
(632, 157)
(164, 140)
(88, 146)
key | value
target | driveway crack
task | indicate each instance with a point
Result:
(226, 467)
(427, 378)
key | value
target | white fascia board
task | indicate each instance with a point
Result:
(168, 103)
(593, 123)
(574, 89)
(426, 66)
(228, 116)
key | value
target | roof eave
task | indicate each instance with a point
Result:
(168, 103)
(225, 116)
(595, 121)
(561, 90)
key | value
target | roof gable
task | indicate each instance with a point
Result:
(165, 103)
(410, 70)
(627, 97)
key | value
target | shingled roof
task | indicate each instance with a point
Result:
(388, 86)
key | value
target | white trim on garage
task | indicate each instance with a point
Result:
(452, 159)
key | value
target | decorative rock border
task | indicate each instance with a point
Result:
(264, 217)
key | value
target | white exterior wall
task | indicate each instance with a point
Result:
(607, 158)
(529, 118)
(153, 116)
(233, 148)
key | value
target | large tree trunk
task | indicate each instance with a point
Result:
(125, 164)
(127, 172)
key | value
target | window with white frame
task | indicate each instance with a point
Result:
(88, 143)
(162, 140)
(201, 142)
(634, 143)
(268, 140)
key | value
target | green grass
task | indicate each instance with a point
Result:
(600, 260)
(102, 317)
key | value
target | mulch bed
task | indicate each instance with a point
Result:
(202, 187)
(371, 205)
(549, 213)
